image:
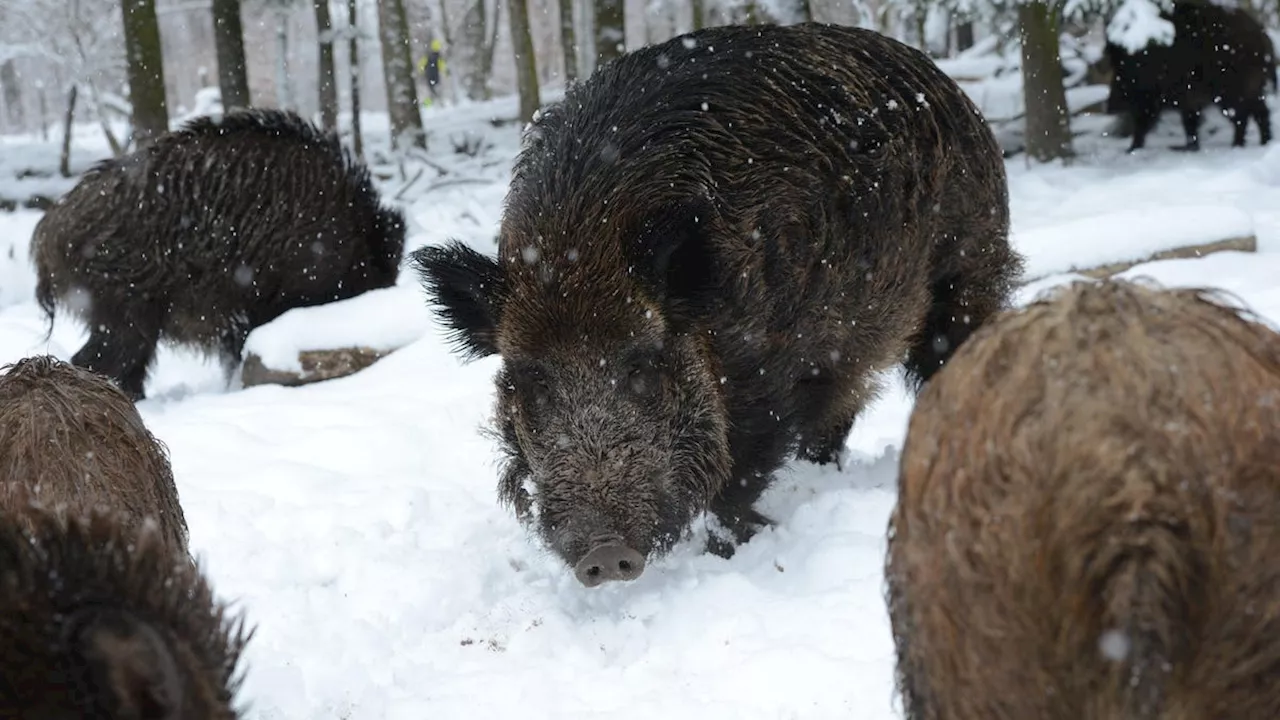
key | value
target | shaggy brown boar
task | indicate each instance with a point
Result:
(208, 233)
(1219, 55)
(1086, 525)
(75, 439)
(709, 250)
(98, 622)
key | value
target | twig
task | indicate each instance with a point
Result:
(400, 195)
(454, 181)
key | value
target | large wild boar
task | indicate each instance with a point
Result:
(1219, 55)
(709, 250)
(74, 439)
(98, 622)
(1086, 520)
(211, 231)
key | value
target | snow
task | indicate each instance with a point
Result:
(1137, 23)
(1089, 241)
(383, 319)
(356, 522)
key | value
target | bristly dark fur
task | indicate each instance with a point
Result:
(214, 229)
(73, 438)
(1086, 517)
(61, 573)
(463, 280)
(1219, 55)
(709, 251)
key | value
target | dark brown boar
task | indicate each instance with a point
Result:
(211, 231)
(98, 621)
(1219, 55)
(77, 440)
(709, 250)
(1086, 520)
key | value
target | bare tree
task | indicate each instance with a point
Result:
(228, 38)
(145, 70)
(397, 71)
(353, 55)
(568, 41)
(611, 30)
(327, 84)
(1048, 130)
(526, 60)
(479, 40)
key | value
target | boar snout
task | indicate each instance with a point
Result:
(609, 559)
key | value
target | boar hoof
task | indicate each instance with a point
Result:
(741, 525)
(608, 562)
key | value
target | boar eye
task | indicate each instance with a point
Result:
(531, 382)
(643, 379)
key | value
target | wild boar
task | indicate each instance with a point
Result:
(1085, 526)
(1219, 55)
(209, 232)
(710, 250)
(72, 438)
(97, 621)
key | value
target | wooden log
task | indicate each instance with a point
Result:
(316, 366)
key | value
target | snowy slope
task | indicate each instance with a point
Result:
(355, 520)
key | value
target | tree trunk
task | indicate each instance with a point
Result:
(353, 60)
(13, 95)
(327, 83)
(145, 71)
(568, 41)
(64, 160)
(964, 36)
(1048, 133)
(526, 60)
(397, 72)
(282, 60)
(805, 9)
(699, 11)
(228, 40)
(611, 30)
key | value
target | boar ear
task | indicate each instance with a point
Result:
(466, 287)
(673, 252)
(128, 668)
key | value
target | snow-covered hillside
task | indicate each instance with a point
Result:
(356, 520)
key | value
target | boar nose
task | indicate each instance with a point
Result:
(608, 561)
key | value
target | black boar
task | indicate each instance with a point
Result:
(211, 231)
(1218, 55)
(79, 442)
(97, 621)
(1086, 519)
(709, 250)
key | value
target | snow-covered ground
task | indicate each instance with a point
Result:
(355, 520)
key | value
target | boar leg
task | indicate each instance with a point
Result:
(734, 508)
(1145, 117)
(824, 445)
(1261, 115)
(962, 301)
(231, 346)
(1191, 128)
(122, 351)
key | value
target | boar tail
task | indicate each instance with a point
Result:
(1144, 585)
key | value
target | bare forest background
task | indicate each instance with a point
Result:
(65, 59)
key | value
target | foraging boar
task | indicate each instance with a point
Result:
(1219, 55)
(97, 621)
(1086, 518)
(709, 250)
(73, 438)
(211, 231)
